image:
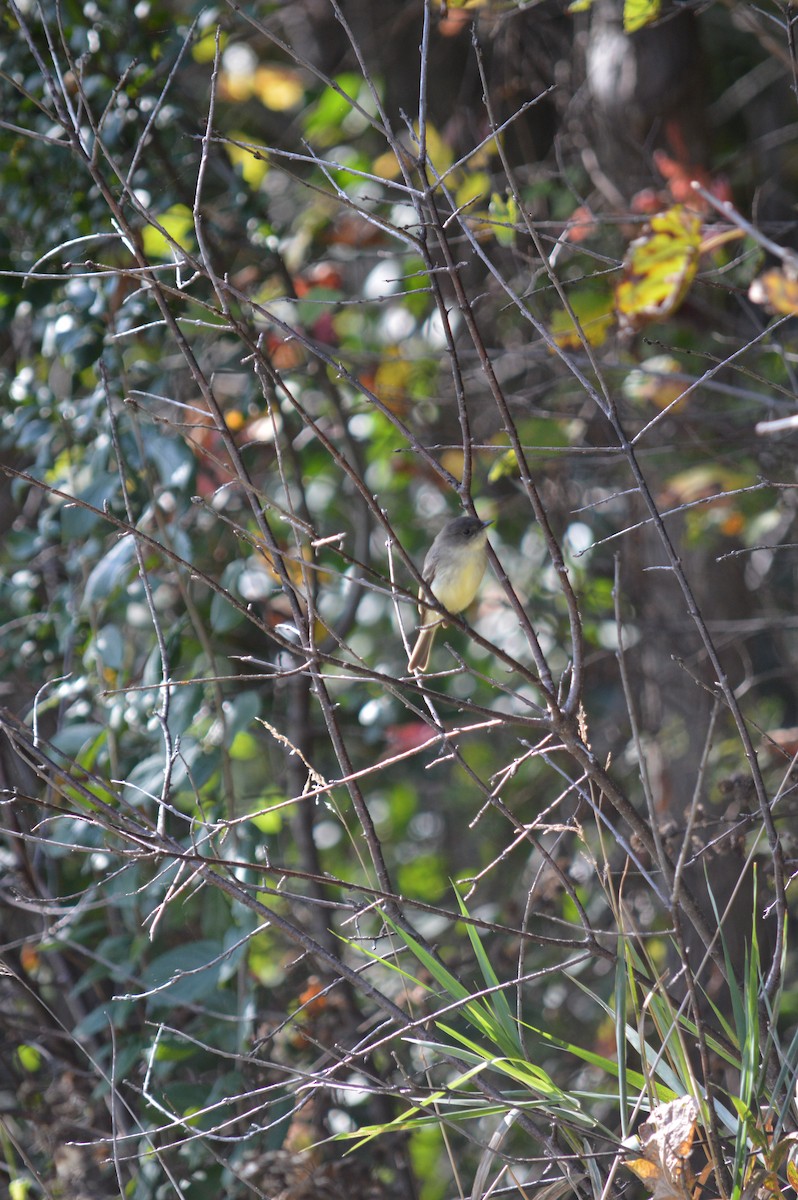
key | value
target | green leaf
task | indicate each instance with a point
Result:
(109, 647)
(77, 522)
(324, 120)
(593, 308)
(224, 616)
(29, 1057)
(72, 739)
(171, 457)
(498, 1000)
(623, 978)
(111, 573)
(266, 816)
(183, 975)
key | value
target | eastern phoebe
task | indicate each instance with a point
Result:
(453, 569)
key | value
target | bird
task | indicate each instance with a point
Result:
(453, 570)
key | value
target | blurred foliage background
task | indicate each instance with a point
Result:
(283, 286)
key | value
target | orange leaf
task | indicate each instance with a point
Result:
(581, 224)
(679, 177)
(312, 998)
(776, 290)
(29, 958)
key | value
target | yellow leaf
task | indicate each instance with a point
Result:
(475, 186)
(204, 50)
(593, 311)
(452, 461)
(278, 88)
(709, 492)
(504, 214)
(658, 268)
(386, 165)
(235, 86)
(540, 435)
(507, 464)
(439, 153)
(654, 382)
(253, 169)
(178, 223)
(643, 1169)
(637, 13)
(703, 482)
(391, 380)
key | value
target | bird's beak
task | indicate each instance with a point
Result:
(485, 524)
